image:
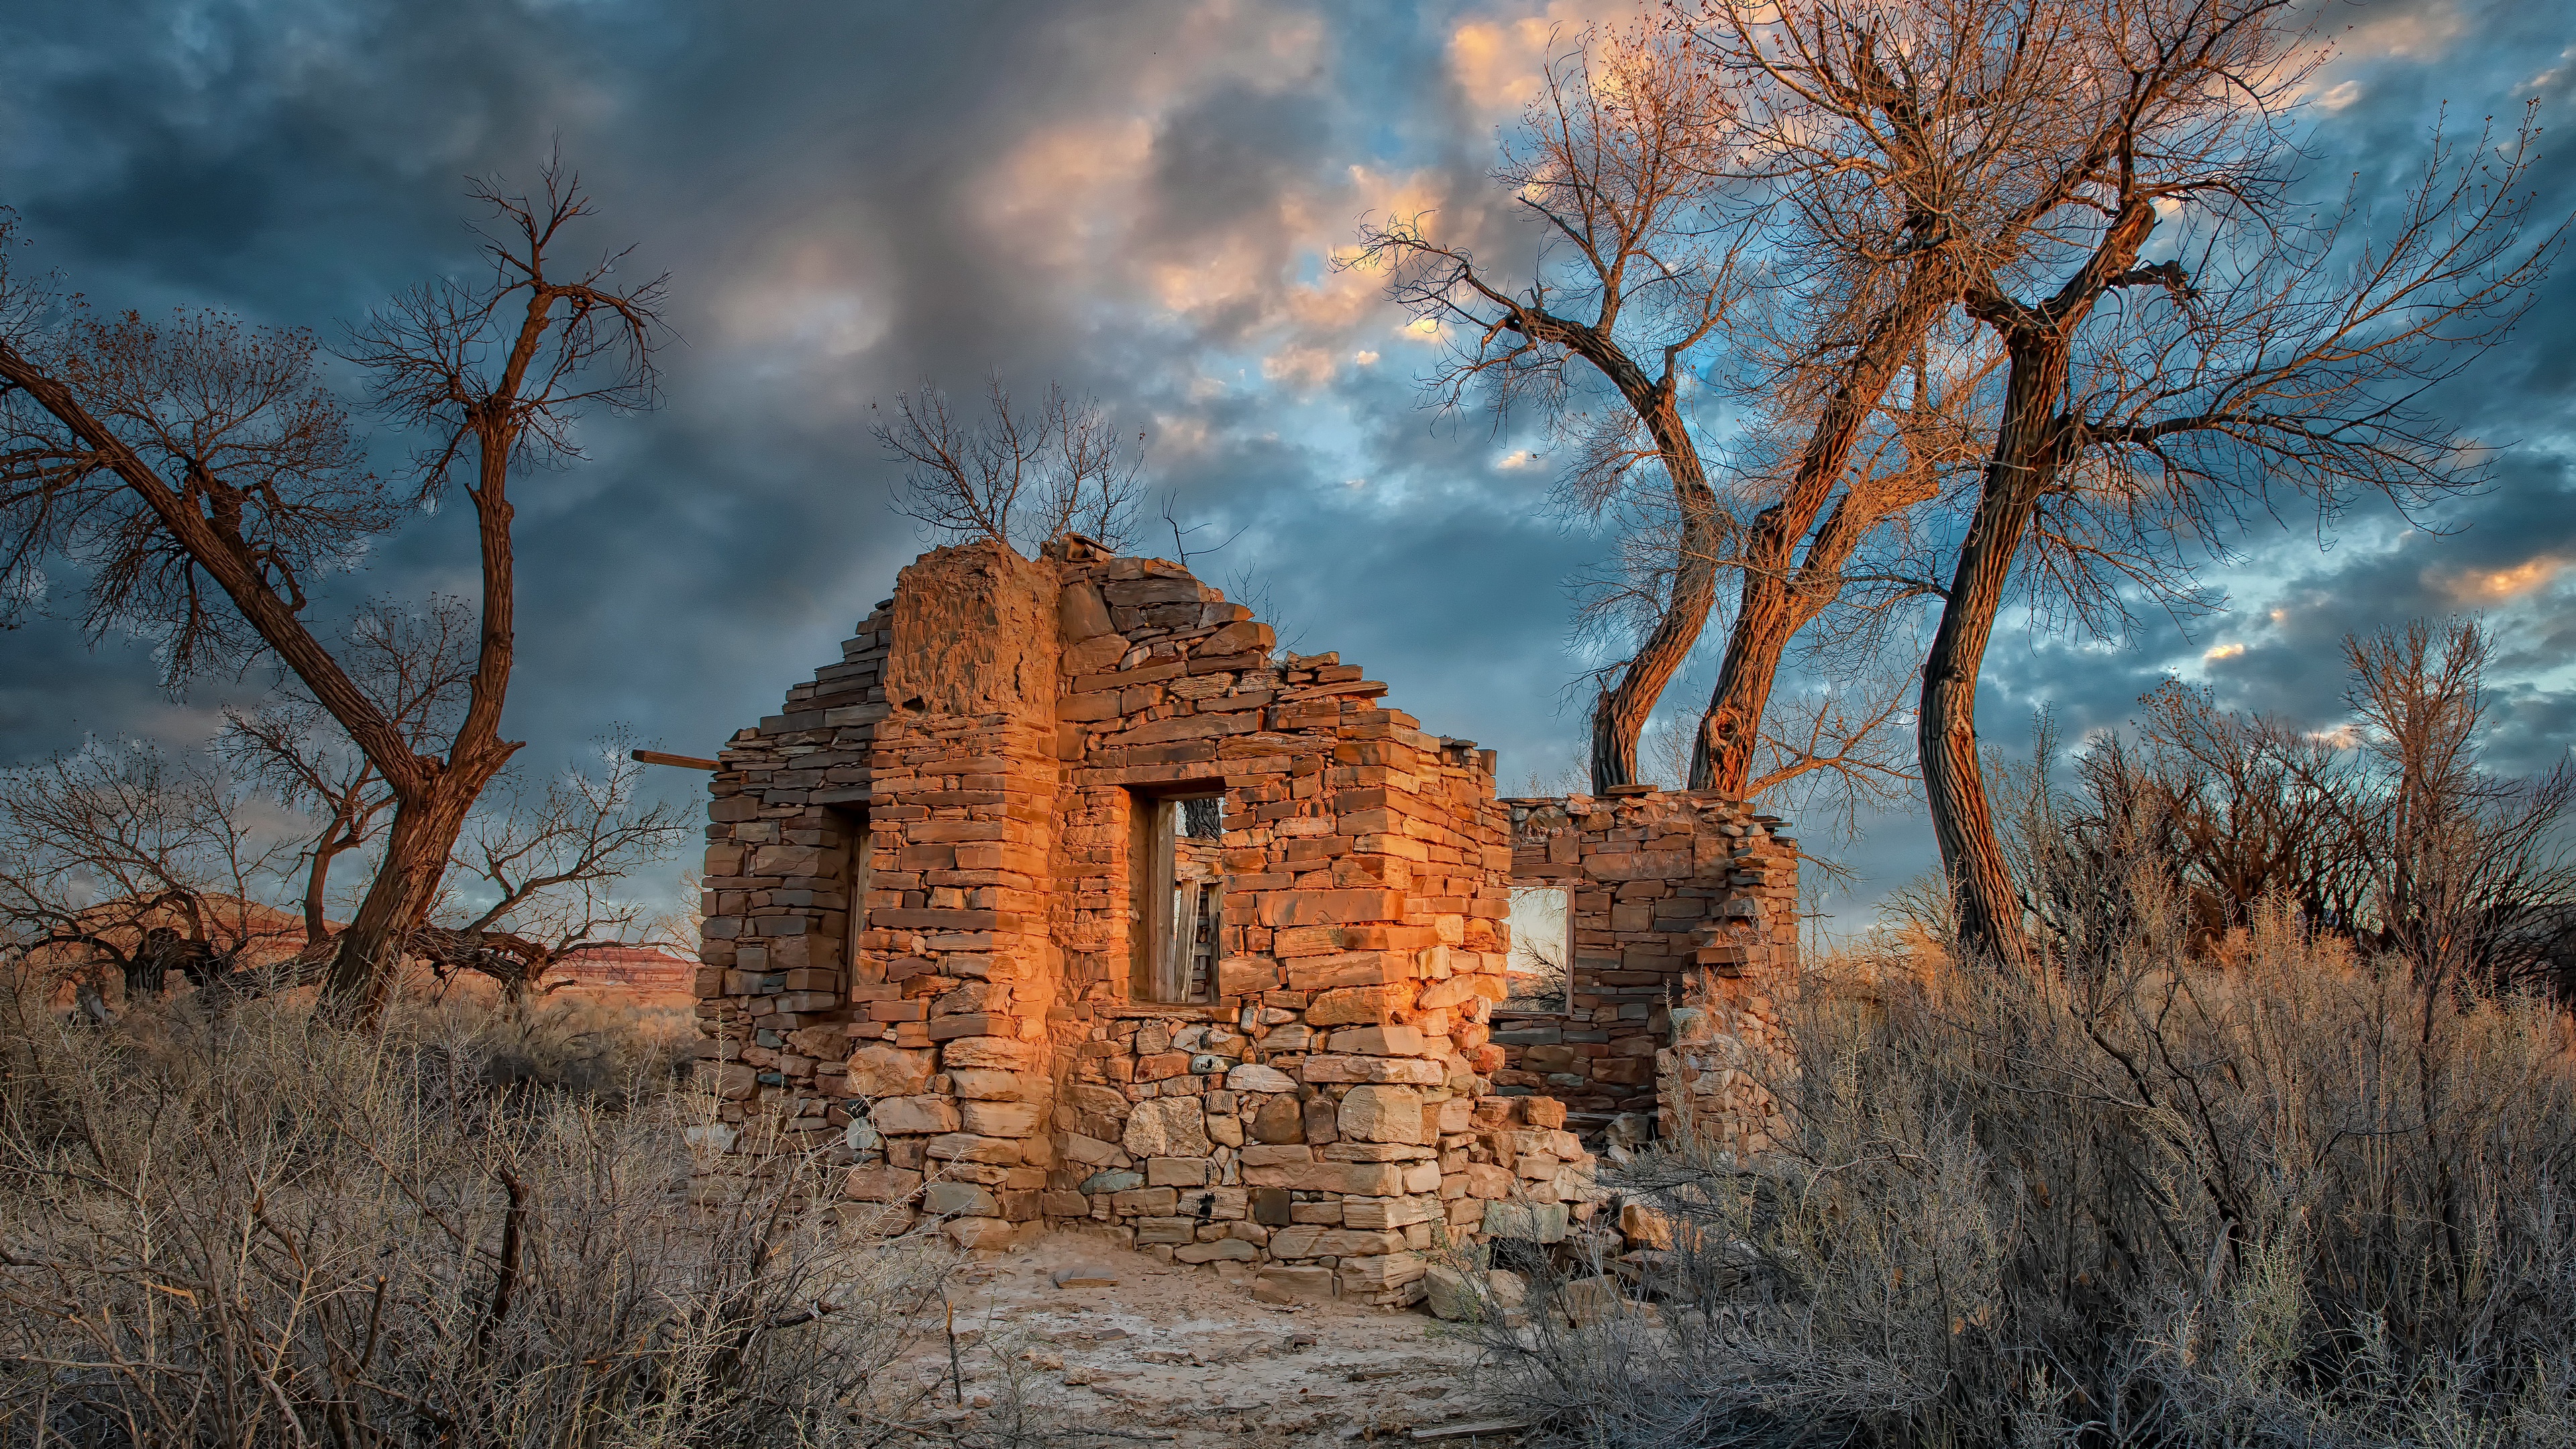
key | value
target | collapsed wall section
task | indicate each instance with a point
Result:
(1681, 925)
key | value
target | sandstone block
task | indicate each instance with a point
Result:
(959, 1199)
(1528, 1221)
(989, 1234)
(1644, 1225)
(1167, 1230)
(1001, 1052)
(988, 1086)
(1231, 1250)
(1294, 1284)
(1359, 1005)
(1280, 1120)
(879, 1071)
(1002, 1119)
(1329, 907)
(1254, 1077)
(898, 1115)
(1176, 1171)
(1388, 1212)
(1377, 1041)
(1376, 1113)
(1450, 1296)
(1168, 1127)
(967, 1147)
(880, 1184)
(1418, 1071)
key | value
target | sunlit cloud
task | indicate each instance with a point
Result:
(2223, 651)
(2497, 586)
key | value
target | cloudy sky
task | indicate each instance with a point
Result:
(1140, 199)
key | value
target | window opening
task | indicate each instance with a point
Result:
(857, 857)
(1540, 966)
(1180, 905)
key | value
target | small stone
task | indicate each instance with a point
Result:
(1279, 1122)
(1254, 1077)
(1085, 1278)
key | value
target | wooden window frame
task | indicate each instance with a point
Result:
(1152, 829)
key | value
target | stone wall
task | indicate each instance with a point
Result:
(969, 1045)
(1681, 919)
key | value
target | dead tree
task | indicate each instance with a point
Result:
(2146, 399)
(540, 870)
(120, 859)
(1635, 278)
(1707, 204)
(177, 462)
(1017, 478)
(417, 665)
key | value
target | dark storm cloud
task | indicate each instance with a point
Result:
(1140, 200)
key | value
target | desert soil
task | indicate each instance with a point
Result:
(1176, 1355)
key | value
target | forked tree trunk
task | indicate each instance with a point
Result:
(404, 891)
(1782, 593)
(1619, 716)
(1954, 783)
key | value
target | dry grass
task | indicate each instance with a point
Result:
(2267, 1195)
(243, 1227)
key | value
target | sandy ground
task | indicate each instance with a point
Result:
(1179, 1356)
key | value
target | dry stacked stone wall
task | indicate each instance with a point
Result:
(920, 930)
(1681, 919)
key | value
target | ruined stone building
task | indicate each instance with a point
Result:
(1062, 900)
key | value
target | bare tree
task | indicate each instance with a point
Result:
(546, 864)
(418, 667)
(119, 858)
(1708, 206)
(171, 459)
(2466, 872)
(1635, 277)
(1017, 478)
(2148, 401)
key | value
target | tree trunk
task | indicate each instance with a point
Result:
(404, 891)
(1781, 594)
(1766, 618)
(1619, 716)
(1954, 785)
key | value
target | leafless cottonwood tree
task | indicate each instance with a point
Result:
(1706, 209)
(177, 461)
(2464, 872)
(417, 665)
(1633, 282)
(122, 858)
(545, 863)
(2144, 399)
(1017, 478)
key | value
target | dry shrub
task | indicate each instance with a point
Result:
(2266, 1195)
(244, 1227)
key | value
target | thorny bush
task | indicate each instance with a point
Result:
(2267, 1193)
(243, 1227)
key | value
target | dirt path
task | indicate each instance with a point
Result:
(1194, 1359)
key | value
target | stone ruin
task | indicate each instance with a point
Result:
(1063, 901)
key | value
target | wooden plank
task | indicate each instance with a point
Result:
(685, 762)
